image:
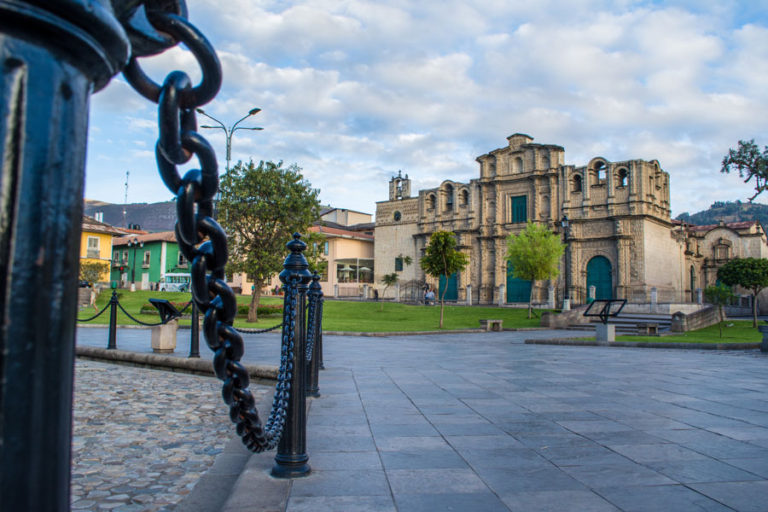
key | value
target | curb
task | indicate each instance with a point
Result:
(646, 344)
(259, 373)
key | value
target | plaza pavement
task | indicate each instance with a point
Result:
(484, 422)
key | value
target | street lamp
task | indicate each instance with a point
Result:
(566, 225)
(135, 243)
(232, 129)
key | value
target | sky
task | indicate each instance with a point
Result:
(355, 91)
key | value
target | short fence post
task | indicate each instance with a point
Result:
(194, 341)
(292, 460)
(112, 343)
(315, 310)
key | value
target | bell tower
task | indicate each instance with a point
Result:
(399, 187)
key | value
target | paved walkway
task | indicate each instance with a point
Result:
(483, 422)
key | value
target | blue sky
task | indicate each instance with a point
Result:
(353, 91)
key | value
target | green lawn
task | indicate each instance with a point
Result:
(337, 315)
(741, 331)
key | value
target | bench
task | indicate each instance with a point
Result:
(491, 325)
(649, 329)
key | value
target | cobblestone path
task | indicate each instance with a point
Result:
(143, 438)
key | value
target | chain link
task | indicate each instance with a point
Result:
(201, 239)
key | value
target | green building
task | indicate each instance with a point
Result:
(150, 261)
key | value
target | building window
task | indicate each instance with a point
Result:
(448, 198)
(517, 165)
(125, 256)
(464, 198)
(622, 176)
(397, 216)
(147, 255)
(599, 171)
(577, 183)
(182, 260)
(93, 247)
(519, 209)
(398, 264)
(431, 202)
(325, 248)
(115, 256)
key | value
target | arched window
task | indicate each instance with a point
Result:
(431, 202)
(622, 177)
(545, 163)
(577, 183)
(448, 198)
(464, 198)
(517, 165)
(599, 170)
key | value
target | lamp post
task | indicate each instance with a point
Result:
(135, 243)
(232, 129)
(565, 223)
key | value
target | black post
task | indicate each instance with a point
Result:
(112, 343)
(194, 341)
(315, 303)
(53, 55)
(292, 460)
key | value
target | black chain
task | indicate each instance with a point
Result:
(201, 239)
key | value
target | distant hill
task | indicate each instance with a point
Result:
(152, 217)
(727, 211)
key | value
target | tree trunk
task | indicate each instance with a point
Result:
(720, 323)
(442, 305)
(530, 300)
(253, 308)
(754, 309)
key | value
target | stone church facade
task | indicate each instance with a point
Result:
(621, 241)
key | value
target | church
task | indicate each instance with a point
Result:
(614, 218)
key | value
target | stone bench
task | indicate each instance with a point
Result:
(491, 325)
(648, 329)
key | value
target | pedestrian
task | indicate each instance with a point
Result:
(375, 294)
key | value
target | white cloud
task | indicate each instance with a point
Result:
(355, 90)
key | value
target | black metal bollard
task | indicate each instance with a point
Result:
(53, 55)
(291, 460)
(112, 343)
(315, 295)
(194, 341)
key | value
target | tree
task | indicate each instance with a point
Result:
(719, 295)
(442, 259)
(749, 273)
(261, 207)
(92, 271)
(750, 162)
(388, 280)
(535, 254)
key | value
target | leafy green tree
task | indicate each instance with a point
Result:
(750, 162)
(535, 254)
(261, 207)
(442, 259)
(388, 280)
(92, 271)
(719, 295)
(749, 273)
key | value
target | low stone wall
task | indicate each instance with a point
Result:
(564, 319)
(662, 308)
(683, 322)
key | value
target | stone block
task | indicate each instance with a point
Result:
(164, 337)
(605, 333)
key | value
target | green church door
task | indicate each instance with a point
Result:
(599, 276)
(451, 287)
(518, 290)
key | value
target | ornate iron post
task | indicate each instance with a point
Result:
(292, 460)
(194, 335)
(53, 56)
(112, 342)
(314, 329)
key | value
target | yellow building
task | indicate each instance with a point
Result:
(96, 243)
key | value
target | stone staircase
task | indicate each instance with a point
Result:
(628, 323)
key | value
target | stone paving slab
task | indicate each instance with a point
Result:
(486, 422)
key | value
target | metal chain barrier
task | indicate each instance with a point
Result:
(258, 331)
(94, 317)
(136, 319)
(201, 239)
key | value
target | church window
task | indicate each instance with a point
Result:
(431, 202)
(397, 216)
(577, 183)
(600, 172)
(519, 209)
(398, 264)
(622, 176)
(517, 165)
(448, 198)
(464, 198)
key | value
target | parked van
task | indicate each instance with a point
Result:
(174, 283)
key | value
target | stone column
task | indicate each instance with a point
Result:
(501, 289)
(699, 296)
(469, 295)
(551, 297)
